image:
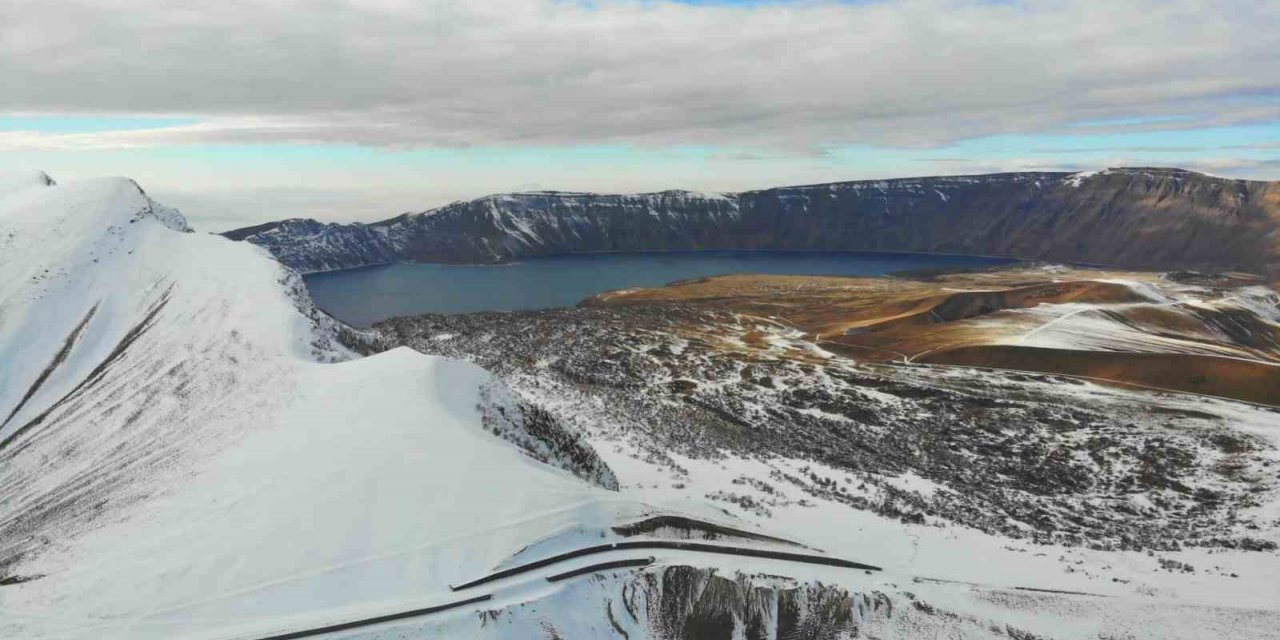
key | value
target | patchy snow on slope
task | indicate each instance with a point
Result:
(960, 534)
(973, 577)
(1183, 319)
(1077, 179)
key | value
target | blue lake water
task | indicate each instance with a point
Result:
(363, 296)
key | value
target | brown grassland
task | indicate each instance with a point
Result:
(1195, 340)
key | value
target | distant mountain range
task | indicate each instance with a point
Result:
(1130, 217)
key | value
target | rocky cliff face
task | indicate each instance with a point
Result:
(1138, 217)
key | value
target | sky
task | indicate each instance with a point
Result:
(242, 111)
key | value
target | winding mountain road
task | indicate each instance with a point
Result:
(699, 547)
(537, 565)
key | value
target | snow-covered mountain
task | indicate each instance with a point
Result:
(188, 451)
(1139, 217)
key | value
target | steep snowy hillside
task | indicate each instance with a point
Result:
(1141, 217)
(187, 451)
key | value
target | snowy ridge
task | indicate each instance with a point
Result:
(174, 451)
(188, 450)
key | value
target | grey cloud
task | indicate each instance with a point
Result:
(225, 209)
(913, 74)
(1257, 169)
(1261, 146)
(1135, 149)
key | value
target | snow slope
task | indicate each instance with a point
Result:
(187, 454)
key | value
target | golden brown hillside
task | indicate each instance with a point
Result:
(1214, 335)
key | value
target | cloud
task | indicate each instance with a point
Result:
(226, 209)
(784, 76)
(1258, 169)
(1225, 166)
(1123, 149)
(947, 160)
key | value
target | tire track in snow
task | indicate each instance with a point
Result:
(391, 617)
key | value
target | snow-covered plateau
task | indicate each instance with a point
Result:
(189, 449)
